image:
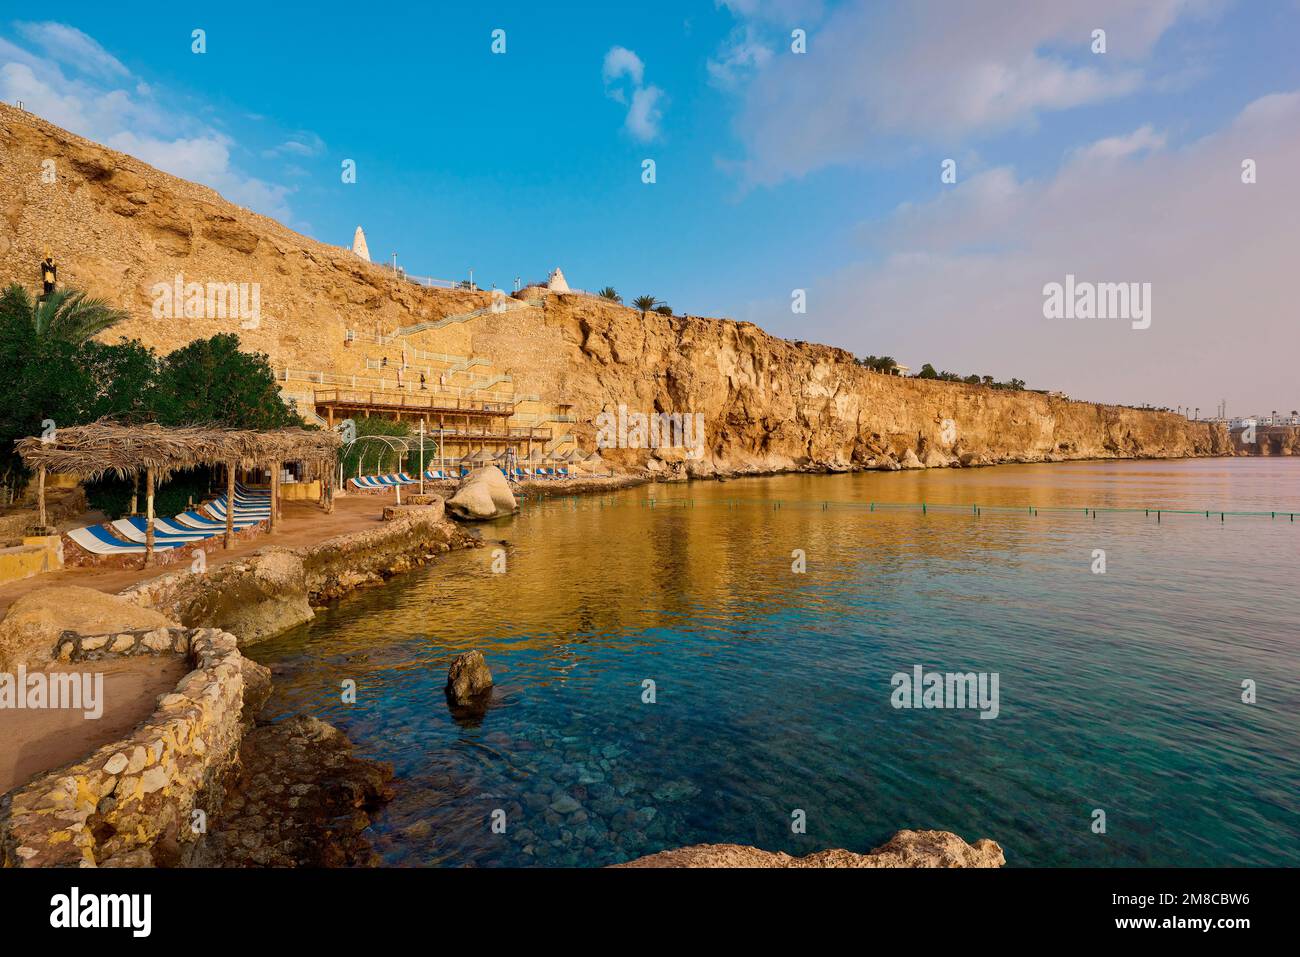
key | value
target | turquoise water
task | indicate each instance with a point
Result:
(1118, 691)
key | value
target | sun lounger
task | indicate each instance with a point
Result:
(133, 530)
(391, 480)
(217, 507)
(98, 540)
(205, 519)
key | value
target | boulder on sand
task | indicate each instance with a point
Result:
(910, 461)
(32, 627)
(483, 494)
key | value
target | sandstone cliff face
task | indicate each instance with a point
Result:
(770, 404)
(116, 226)
(1268, 440)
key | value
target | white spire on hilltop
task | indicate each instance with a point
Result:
(556, 282)
(359, 245)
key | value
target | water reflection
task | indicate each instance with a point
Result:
(1118, 690)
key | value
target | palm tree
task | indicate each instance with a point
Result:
(609, 293)
(66, 314)
(645, 303)
(664, 309)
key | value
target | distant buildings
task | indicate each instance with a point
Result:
(1259, 420)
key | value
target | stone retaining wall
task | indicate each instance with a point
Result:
(410, 538)
(131, 802)
(273, 589)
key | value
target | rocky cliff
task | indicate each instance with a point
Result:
(118, 227)
(770, 404)
(1267, 440)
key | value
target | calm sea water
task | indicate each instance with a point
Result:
(1119, 691)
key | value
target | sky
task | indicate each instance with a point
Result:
(799, 151)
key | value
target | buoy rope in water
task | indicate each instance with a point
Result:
(976, 509)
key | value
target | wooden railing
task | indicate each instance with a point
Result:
(407, 401)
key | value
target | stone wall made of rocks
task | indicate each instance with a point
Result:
(131, 802)
(274, 589)
(411, 538)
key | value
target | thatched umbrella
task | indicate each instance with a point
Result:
(571, 458)
(108, 447)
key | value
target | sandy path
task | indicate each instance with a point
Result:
(36, 741)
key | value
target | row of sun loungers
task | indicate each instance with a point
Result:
(126, 536)
(371, 483)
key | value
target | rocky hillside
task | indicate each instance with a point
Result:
(772, 404)
(1267, 440)
(117, 227)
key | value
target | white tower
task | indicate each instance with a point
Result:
(359, 245)
(555, 281)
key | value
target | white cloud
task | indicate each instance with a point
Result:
(621, 63)
(938, 72)
(70, 47)
(958, 281)
(742, 53)
(1140, 140)
(304, 143)
(785, 12)
(624, 77)
(645, 113)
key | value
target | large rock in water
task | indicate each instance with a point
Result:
(482, 495)
(468, 678)
(904, 849)
(30, 631)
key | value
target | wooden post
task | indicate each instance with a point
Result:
(275, 496)
(135, 490)
(41, 516)
(230, 504)
(148, 521)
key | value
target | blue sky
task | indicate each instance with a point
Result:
(775, 170)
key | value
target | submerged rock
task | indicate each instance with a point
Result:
(483, 494)
(299, 799)
(904, 849)
(468, 679)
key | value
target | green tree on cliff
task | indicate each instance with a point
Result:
(645, 303)
(609, 293)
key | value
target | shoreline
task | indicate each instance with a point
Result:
(335, 567)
